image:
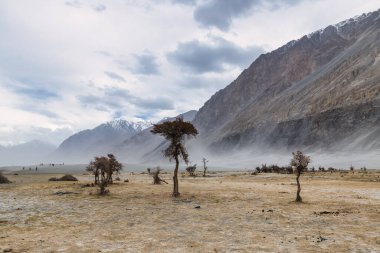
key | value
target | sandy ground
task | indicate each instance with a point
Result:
(238, 212)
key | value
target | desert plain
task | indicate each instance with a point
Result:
(224, 212)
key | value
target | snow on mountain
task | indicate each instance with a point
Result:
(98, 141)
(121, 124)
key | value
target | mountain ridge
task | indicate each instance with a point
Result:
(333, 67)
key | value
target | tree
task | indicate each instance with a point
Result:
(113, 167)
(191, 170)
(204, 160)
(299, 162)
(94, 170)
(175, 132)
(156, 176)
(104, 167)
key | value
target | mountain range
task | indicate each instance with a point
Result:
(319, 93)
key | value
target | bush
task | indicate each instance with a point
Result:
(4, 179)
(274, 169)
(191, 170)
(66, 177)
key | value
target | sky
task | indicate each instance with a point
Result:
(70, 65)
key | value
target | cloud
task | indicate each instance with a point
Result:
(141, 64)
(201, 57)
(185, 2)
(100, 8)
(39, 93)
(115, 76)
(220, 13)
(73, 3)
(41, 111)
(113, 98)
(80, 4)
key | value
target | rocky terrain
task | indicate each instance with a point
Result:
(318, 90)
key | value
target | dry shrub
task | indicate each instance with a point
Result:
(66, 177)
(4, 179)
(156, 176)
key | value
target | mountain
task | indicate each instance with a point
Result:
(145, 147)
(321, 91)
(102, 139)
(129, 141)
(32, 152)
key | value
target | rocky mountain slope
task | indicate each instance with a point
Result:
(315, 92)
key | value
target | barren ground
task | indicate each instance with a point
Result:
(238, 212)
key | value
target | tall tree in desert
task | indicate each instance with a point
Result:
(175, 132)
(299, 162)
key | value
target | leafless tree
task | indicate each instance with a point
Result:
(156, 176)
(175, 132)
(204, 160)
(299, 162)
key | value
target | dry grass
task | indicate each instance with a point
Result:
(239, 212)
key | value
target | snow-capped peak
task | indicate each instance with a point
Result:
(355, 19)
(121, 124)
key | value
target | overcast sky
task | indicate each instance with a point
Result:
(69, 65)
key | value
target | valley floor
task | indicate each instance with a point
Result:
(238, 212)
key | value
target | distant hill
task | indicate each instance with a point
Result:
(33, 152)
(98, 141)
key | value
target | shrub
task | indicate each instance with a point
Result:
(66, 177)
(156, 176)
(191, 170)
(4, 179)
(103, 168)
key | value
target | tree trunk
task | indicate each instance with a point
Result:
(175, 178)
(298, 198)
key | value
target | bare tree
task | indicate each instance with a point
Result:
(156, 176)
(175, 132)
(299, 162)
(204, 160)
